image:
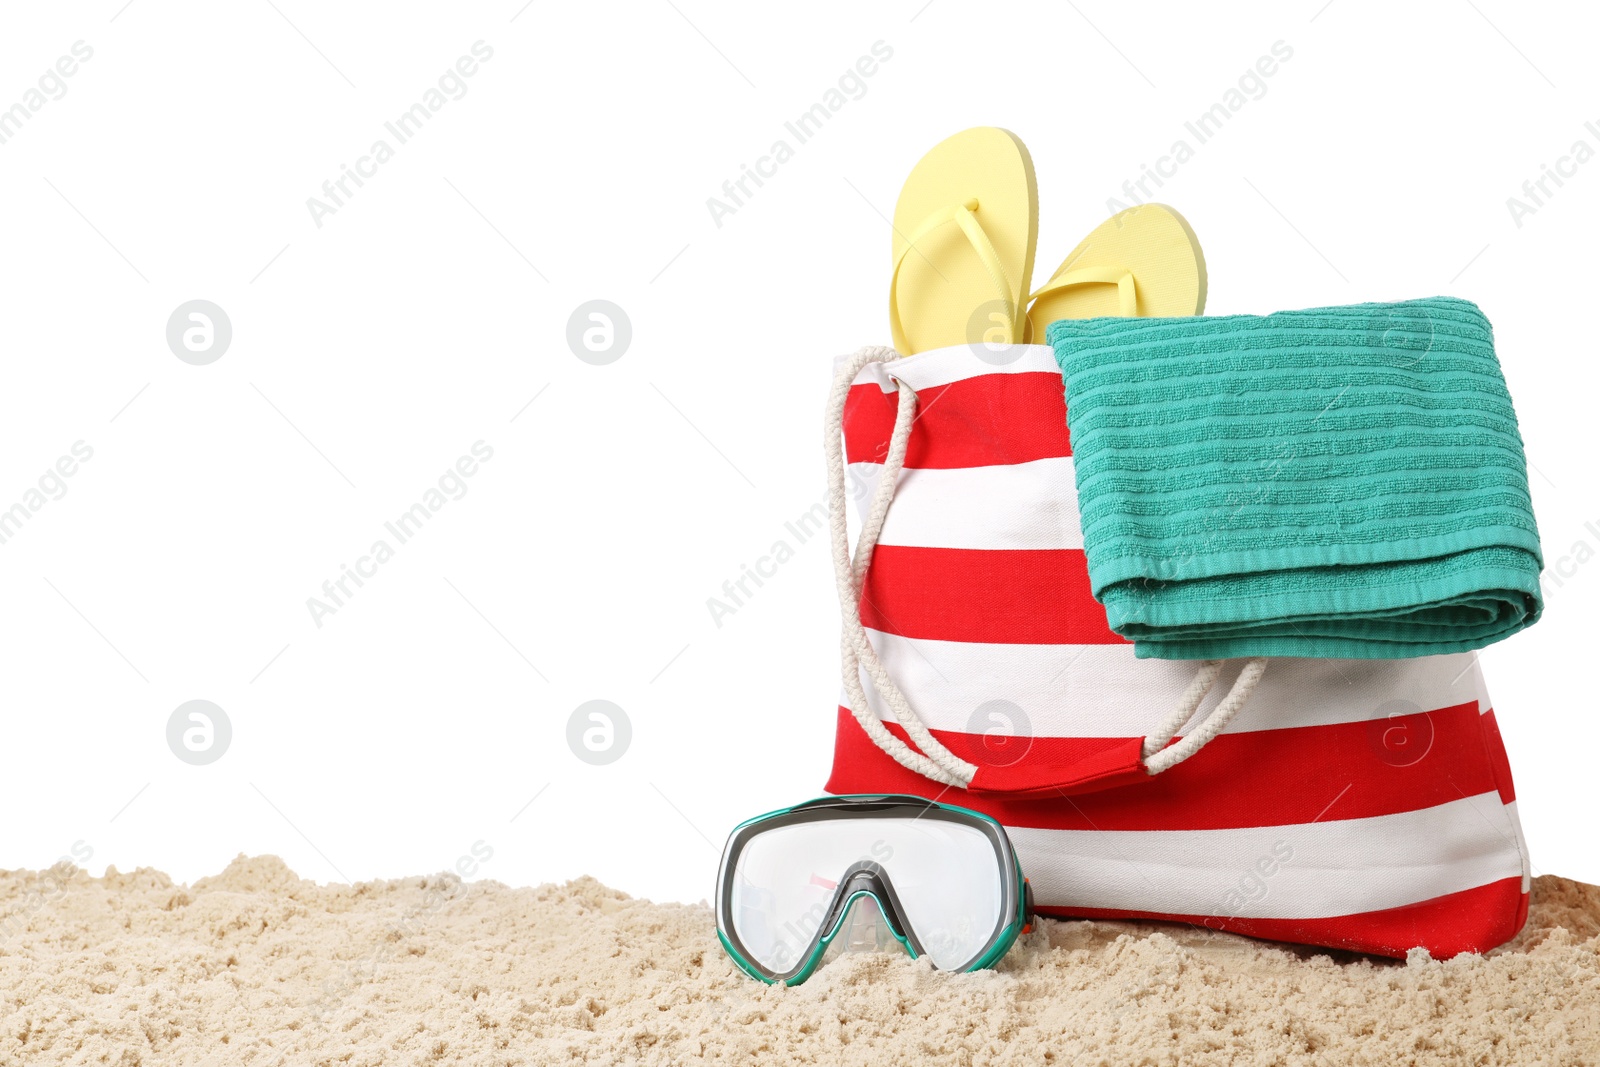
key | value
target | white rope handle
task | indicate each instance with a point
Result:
(1155, 753)
(856, 651)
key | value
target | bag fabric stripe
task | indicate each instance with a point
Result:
(1472, 920)
(1105, 691)
(1016, 597)
(1239, 780)
(967, 424)
(1026, 505)
(1315, 870)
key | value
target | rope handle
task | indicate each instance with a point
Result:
(1158, 753)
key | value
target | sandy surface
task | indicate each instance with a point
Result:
(256, 967)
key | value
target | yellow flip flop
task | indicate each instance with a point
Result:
(1142, 261)
(965, 228)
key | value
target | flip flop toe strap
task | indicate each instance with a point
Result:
(963, 215)
(1121, 277)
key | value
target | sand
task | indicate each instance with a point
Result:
(256, 967)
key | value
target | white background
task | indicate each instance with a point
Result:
(368, 354)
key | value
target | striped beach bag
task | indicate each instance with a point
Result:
(1357, 804)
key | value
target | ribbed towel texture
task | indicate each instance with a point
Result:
(1337, 482)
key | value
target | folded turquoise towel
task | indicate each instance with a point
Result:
(1341, 482)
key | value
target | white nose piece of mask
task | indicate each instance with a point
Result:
(863, 929)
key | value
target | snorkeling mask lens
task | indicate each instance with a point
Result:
(945, 880)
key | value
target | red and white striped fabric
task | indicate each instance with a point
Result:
(1359, 804)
